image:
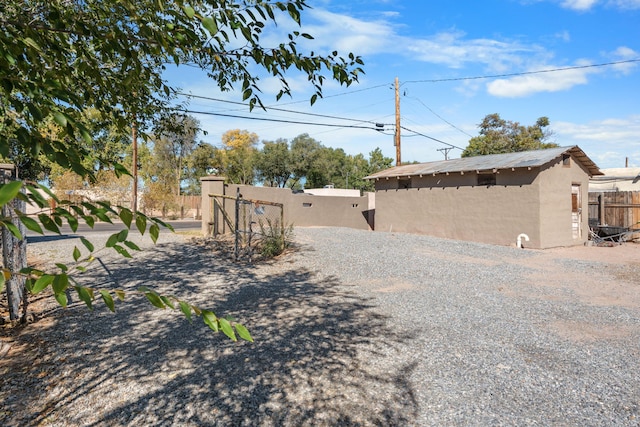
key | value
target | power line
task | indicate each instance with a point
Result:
(278, 109)
(441, 118)
(431, 138)
(208, 113)
(525, 73)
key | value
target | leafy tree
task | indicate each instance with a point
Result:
(304, 151)
(200, 163)
(501, 136)
(62, 57)
(173, 142)
(273, 163)
(236, 160)
(329, 166)
(378, 162)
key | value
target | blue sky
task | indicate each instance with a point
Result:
(438, 51)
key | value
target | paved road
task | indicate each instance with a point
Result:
(103, 227)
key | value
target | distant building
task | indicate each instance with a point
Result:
(616, 179)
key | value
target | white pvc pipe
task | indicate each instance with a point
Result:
(519, 241)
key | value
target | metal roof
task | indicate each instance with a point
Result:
(524, 159)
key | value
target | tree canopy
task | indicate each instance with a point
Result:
(503, 136)
(62, 58)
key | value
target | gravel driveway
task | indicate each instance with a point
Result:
(352, 328)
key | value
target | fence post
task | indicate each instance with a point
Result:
(236, 226)
(14, 251)
(282, 225)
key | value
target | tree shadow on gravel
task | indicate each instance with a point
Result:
(316, 360)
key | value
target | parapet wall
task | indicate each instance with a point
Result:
(300, 209)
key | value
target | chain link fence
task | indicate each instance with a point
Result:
(257, 225)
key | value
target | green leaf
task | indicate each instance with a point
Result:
(73, 222)
(112, 240)
(9, 191)
(61, 266)
(141, 223)
(3, 281)
(210, 319)
(132, 245)
(154, 232)
(62, 299)
(60, 119)
(12, 228)
(126, 216)
(76, 253)
(89, 220)
(42, 282)
(120, 294)
(60, 283)
(31, 224)
(186, 309)
(167, 302)
(122, 235)
(163, 224)
(108, 300)
(48, 192)
(154, 299)
(30, 42)
(227, 329)
(87, 244)
(85, 295)
(210, 24)
(48, 223)
(122, 251)
(243, 333)
(188, 10)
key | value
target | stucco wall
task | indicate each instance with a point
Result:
(535, 202)
(299, 209)
(555, 203)
(490, 214)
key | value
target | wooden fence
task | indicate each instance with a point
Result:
(616, 208)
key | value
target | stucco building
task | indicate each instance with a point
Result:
(493, 199)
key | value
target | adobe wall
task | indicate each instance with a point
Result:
(300, 209)
(536, 203)
(456, 208)
(555, 203)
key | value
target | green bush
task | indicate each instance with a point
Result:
(275, 238)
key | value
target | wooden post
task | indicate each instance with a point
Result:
(397, 134)
(134, 166)
(601, 218)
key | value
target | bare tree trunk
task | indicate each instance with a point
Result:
(14, 258)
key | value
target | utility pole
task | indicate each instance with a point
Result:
(397, 135)
(446, 152)
(134, 137)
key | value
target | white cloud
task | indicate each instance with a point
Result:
(624, 53)
(626, 4)
(525, 85)
(606, 141)
(586, 5)
(347, 34)
(579, 4)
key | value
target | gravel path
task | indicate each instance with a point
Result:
(352, 328)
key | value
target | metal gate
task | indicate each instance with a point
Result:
(250, 221)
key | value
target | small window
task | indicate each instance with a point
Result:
(306, 205)
(404, 183)
(566, 160)
(354, 205)
(486, 179)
